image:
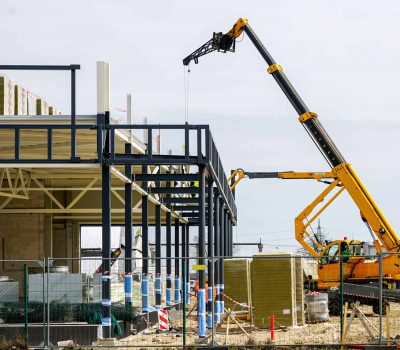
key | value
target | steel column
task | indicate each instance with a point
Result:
(157, 283)
(168, 296)
(210, 241)
(202, 251)
(145, 246)
(187, 262)
(177, 289)
(183, 254)
(222, 255)
(217, 278)
(106, 235)
(128, 232)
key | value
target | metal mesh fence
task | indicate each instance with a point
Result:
(267, 299)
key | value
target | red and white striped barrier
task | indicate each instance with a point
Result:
(236, 302)
(163, 321)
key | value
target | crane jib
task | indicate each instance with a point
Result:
(314, 127)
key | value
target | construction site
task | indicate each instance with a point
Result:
(125, 232)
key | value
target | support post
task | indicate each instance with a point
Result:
(168, 296)
(210, 267)
(187, 262)
(157, 285)
(103, 108)
(145, 246)
(128, 232)
(106, 237)
(177, 287)
(222, 255)
(217, 279)
(202, 246)
(184, 259)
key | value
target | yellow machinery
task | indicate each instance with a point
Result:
(341, 177)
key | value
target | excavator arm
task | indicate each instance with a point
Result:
(341, 170)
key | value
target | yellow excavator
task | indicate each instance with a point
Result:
(358, 270)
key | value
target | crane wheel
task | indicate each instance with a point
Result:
(334, 307)
(375, 307)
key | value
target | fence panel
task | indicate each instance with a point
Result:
(22, 303)
(276, 298)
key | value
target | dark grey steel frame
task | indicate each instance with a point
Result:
(210, 173)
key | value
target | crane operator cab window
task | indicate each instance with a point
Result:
(332, 253)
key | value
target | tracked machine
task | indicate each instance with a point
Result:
(340, 259)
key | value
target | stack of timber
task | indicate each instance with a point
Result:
(299, 291)
(237, 282)
(6, 96)
(16, 100)
(273, 280)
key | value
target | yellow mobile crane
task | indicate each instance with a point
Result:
(357, 268)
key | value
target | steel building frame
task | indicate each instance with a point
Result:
(203, 199)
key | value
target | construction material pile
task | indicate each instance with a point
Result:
(16, 100)
(269, 284)
(237, 282)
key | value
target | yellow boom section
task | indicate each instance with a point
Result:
(342, 178)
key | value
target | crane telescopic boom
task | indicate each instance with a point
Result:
(341, 170)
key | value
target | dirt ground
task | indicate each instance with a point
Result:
(320, 333)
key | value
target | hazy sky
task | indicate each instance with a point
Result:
(342, 57)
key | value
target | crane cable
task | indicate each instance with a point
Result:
(186, 76)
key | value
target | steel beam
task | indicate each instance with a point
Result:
(164, 177)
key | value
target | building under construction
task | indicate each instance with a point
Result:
(60, 172)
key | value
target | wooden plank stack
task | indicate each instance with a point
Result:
(16, 100)
(6, 96)
(237, 282)
(299, 291)
(273, 281)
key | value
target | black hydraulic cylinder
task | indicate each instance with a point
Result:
(313, 126)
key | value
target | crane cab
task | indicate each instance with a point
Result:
(350, 251)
